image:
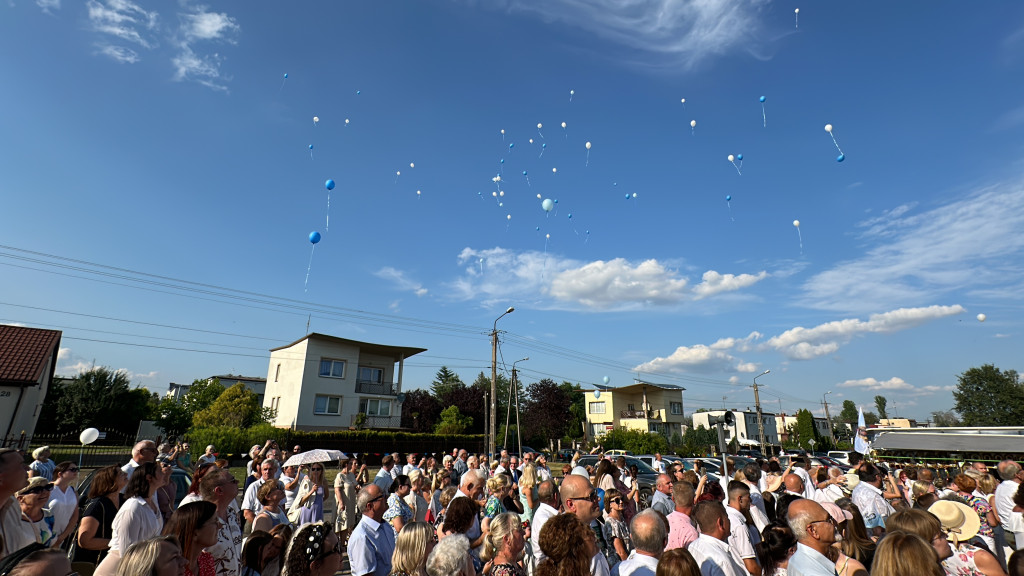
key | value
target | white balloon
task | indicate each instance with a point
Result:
(693, 123)
(539, 125)
(563, 124)
(682, 100)
(398, 173)
(981, 317)
(346, 120)
(828, 127)
(503, 131)
(634, 194)
(417, 192)
(571, 92)
(731, 157)
(531, 140)
(495, 194)
(796, 223)
(554, 169)
(797, 11)
(316, 119)
(509, 217)
(89, 435)
(501, 193)
(538, 196)
(412, 165)
(548, 236)
(588, 145)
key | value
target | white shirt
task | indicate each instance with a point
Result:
(741, 544)
(713, 557)
(809, 486)
(409, 468)
(540, 517)
(249, 501)
(14, 534)
(289, 495)
(128, 469)
(135, 521)
(62, 505)
(636, 565)
(659, 465)
(830, 493)
(599, 565)
(543, 474)
(1004, 502)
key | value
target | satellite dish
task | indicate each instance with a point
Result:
(597, 393)
(401, 397)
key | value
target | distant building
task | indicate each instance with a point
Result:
(639, 406)
(897, 423)
(322, 382)
(744, 429)
(783, 423)
(254, 384)
(28, 358)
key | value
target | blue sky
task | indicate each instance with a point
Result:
(162, 138)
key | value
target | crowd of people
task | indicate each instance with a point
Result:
(459, 515)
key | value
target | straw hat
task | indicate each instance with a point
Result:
(959, 521)
(852, 479)
(38, 451)
(34, 482)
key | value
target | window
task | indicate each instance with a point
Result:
(597, 407)
(327, 405)
(332, 368)
(677, 407)
(277, 372)
(371, 374)
(374, 407)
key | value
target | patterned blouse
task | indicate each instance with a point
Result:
(507, 570)
(961, 563)
(397, 508)
(207, 565)
(494, 507)
(982, 507)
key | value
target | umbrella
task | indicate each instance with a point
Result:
(311, 456)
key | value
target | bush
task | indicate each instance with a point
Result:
(635, 441)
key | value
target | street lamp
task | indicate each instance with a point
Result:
(760, 419)
(494, 379)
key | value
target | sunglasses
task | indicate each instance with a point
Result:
(616, 500)
(592, 497)
(316, 469)
(375, 499)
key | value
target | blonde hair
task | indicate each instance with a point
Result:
(905, 554)
(497, 483)
(987, 484)
(140, 559)
(410, 554)
(529, 477)
(494, 541)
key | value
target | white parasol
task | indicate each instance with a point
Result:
(311, 456)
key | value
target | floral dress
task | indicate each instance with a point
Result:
(507, 570)
(961, 563)
(207, 565)
(397, 508)
(493, 507)
(615, 529)
(982, 507)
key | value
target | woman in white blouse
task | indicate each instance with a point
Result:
(138, 518)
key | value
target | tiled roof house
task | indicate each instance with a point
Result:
(28, 358)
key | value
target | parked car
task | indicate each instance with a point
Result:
(182, 480)
(617, 453)
(668, 460)
(751, 453)
(646, 476)
(566, 454)
(840, 456)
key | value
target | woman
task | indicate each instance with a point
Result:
(195, 527)
(497, 487)
(845, 566)
(36, 560)
(314, 551)
(568, 546)
(160, 556)
(918, 490)
(193, 490)
(775, 548)
(441, 480)
(616, 530)
(345, 497)
(258, 547)
(987, 518)
(33, 498)
(254, 474)
(415, 498)
(183, 458)
(528, 490)
(96, 528)
(450, 557)
(905, 554)
(309, 502)
(856, 543)
(923, 524)
(446, 498)
(398, 513)
(959, 523)
(412, 546)
(608, 479)
(273, 556)
(64, 500)
(41, 466)
(677, 562)
(362, 475)
(138, 518)
(270, 496)
(503, 546)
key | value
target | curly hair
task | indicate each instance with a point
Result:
(460, 514)
(566, 542)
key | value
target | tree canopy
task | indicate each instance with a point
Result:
(174, 417)
(988, 396)
(237, 407)
(880, 403)
(100, 398)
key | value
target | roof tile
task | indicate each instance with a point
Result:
(24, 353)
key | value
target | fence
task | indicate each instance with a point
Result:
(113, 449)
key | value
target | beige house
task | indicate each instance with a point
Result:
(640, 406)
(323, 382)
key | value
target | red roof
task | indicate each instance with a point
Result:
(24, 353)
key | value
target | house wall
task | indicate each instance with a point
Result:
(20, 407)
(284, 383)
(615, 402)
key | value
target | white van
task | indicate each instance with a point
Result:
(840, 456)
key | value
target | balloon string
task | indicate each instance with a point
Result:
(836, 143)
(305, 286)
(729, 204)
(801, 238)
(541, 134)
(588, 157)
(328, 226)
(737, 169)
(764, 117)
(541, 153)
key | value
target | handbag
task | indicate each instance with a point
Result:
(296, 510)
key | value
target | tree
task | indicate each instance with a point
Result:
(175, 417)
(470, 401)
(101, 398)
(880, 403)
(805, 426)
(545, 415)
(236, 407)
(635, 441)
(988, 396)
(945, 418)
(849, 413)
(502, 385)
(420, 411)
(444, 382)
(870, 419)
(452, 422)
(577, 409)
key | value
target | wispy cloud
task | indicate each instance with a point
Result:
(670, 33)
(203, 26)
(400, 280)
(122, 20)
(120, 54)
(1009, 119)
(48, 6)
(894, 385)
(715, 283)
(703, 358)
(923, 256)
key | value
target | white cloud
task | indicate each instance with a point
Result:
(603, 284)
(203, 26)
(715, 283)
(960, 245)
(120, 54)
(667, 32)
(399, 279)
(805, 343)
(703, 358)
(124, 20)
(895, 385)
(48, 5)
(209, 26)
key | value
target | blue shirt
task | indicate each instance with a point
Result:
(807, 561)
(370, 548)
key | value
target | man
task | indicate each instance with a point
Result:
(981, 467)
(580, 499)
(800, 468)
(711, 549)
(741, 541)
(397, 468)
(448, 462)
(503, 464)
(543, 472)
(472, 486)
(794, 485)
(831, 490)
(291, 477)
(1011, 475)
(662, 498)
(460, 467)
(680, 528)
(383, 479)
(220, 488)
(867, 495)
(250, 504)
(649, 538)
(659, 464)
(296, 450)
(208, 457)
(372, 542)
(144, 451)
(815, 532)
(547, 495)
(14, 534)
(410, 464)
(758, 512)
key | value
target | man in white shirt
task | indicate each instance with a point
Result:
(649, 538)
(144, 451)
(14, 534)
(250, 504)
(815, 531)
(1011, 474)
(741, 541)
(758, 513)
(579, 497)
(472, 486)
(867, 495)
(291, 477)
(711, 549)
(410, 464)
(659, 464)
(547, 494)
(661, 500)
(397, 468)
(372, 543)
(383, 479)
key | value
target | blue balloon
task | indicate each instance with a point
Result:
(502, 160)
(841, 157)
(547, 204)
(570, 216)
(538, 228)
(739, 157)
(286, 75)
(762, 98)
(329, 184)
(606, 379)
(543, 145)
(728, 198)
(314, 237)
(556, 200)
(310, 146)
(524, 172)
(627, 196)
(511, 145)
(359, 92)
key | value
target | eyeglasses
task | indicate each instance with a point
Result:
(592, 497)
(616, 500)
(830, 520)
(72, 470)
(381, 497)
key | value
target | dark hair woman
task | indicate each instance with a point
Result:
(138, 518)
(195, 527)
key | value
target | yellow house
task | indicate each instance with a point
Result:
(639, 406)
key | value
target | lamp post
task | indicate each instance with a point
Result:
(828, 418)
(494, 381)
(760, 419)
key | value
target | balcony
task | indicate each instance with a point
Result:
(646, 414)
(373, 422)
(374, 387)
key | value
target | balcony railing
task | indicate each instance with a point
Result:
(647, 414)
(393, 421)
(374, 387)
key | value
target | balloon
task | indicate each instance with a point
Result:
(731, 158)
(739, 157)
(511, 145)
(554, 170)
(627, 196)
(286, 75)
(572, 92)
(634, 194)
(796, 11)
(398, 172)
(314, 237)
(828, 127)
(762, 99)
(682, 100)
(412, 164)
(538, 228)
(495, 194)
(538, 196)
(693, 123)
(509, 217)
(501, 193)
(547, 236)
(530, 140)
(796, 223)
(981, 318)
(597, 393)
(547, 205)
(417, 192)
(588, 145)
(329, 184)
(563, 124)
(524, 172)
(316, 119)
(570, 216)
(728, 198)
(544, 145)
(346, 121)
(310, 146)
(358, 92)
(502, 131)
(606, 379)
(556, 200)
(841, 157)
(539, 126)
(90, 435)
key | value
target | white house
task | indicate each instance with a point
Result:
(28, 358)
(744, 428)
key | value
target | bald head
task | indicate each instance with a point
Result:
(648, 532)
(794, 483)
(802, 515)
(574, 486)
(547, 493)
(144, 451)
